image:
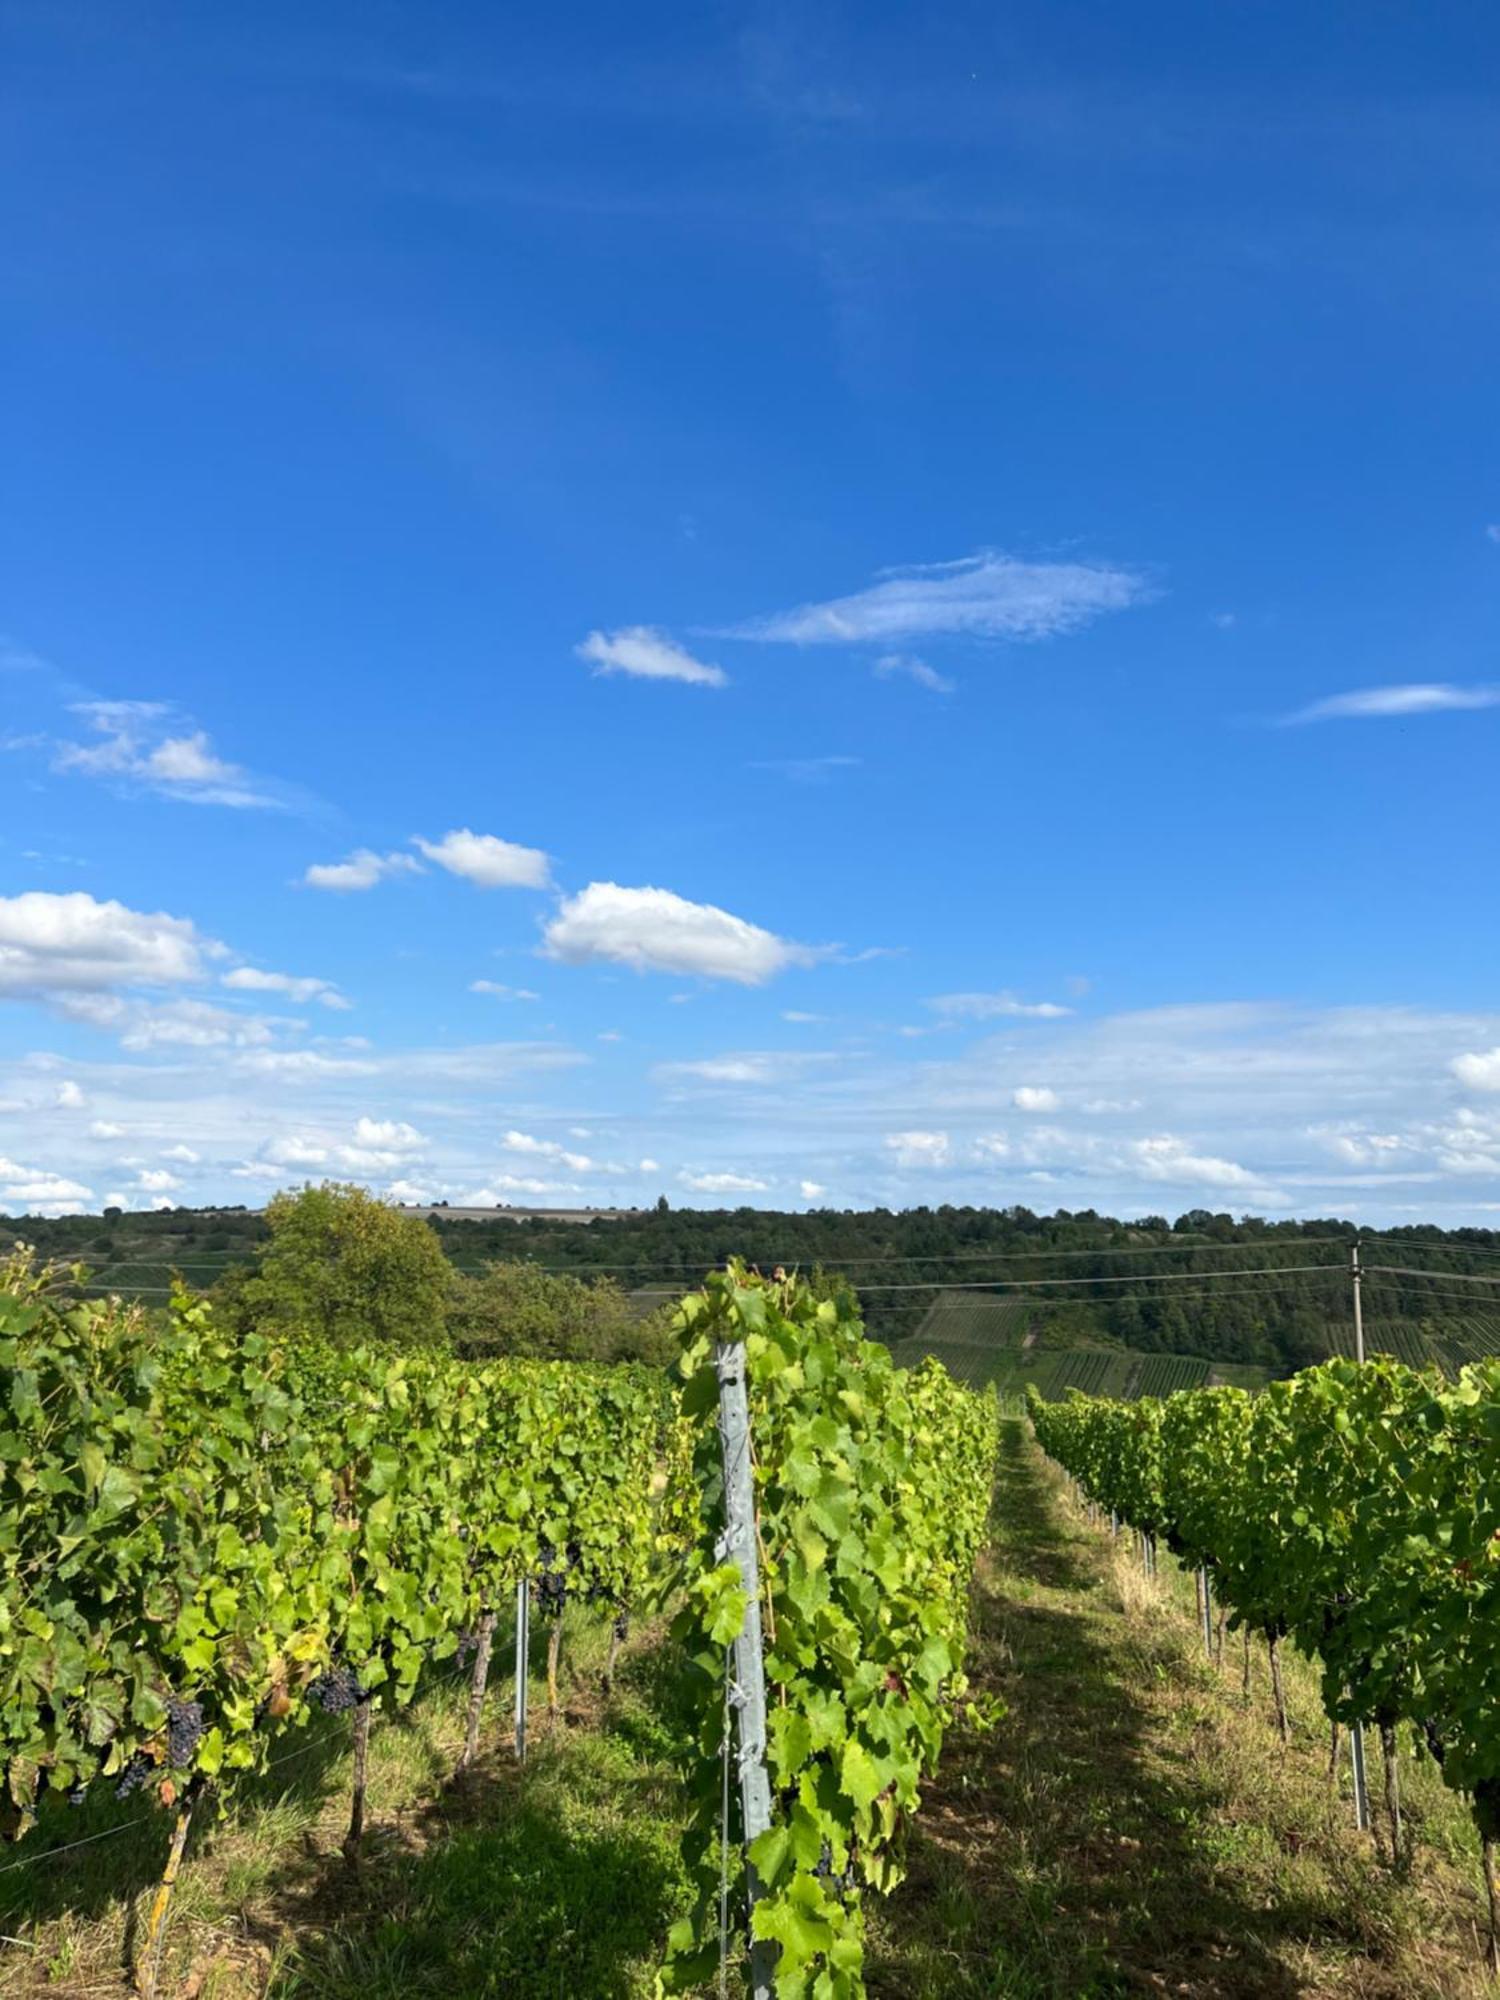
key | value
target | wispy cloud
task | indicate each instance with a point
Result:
(890, 666)
(805, 770)
(1412, 698)
(989, 596)
(995, 1006)
(250, 979)
(499, 992)
(147, 745)
(648, 655)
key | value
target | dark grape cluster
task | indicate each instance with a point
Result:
(337, 1690)
(184, 1727)
(622, 1626)
(77, 1796)
(134, 1775)
(842, 1885)
(550, 1586)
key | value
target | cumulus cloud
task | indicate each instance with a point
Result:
(250, 979)
(57, 944)
(487, 861)
(995, 1006)
(38, 1191)
(812, 1190)
(1415, 698)
(70, 1096)
(648, 655)
(408, 1192)
(1164, 1157)
(1034, 1097)
(184, 1155)
(990, 596)
(360, 870)
(156, 1180)
(908, 667)
(919, 1149)
(723, 1183)
(106, 1128)
(653, 930)
(1479, 1072)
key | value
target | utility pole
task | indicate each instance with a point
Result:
(1357, 1276)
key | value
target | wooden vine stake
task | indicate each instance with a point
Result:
(1273, 1651)
(361, 1767)
(484, 1634)
(148, 1962)
(1333, 1757)
(1492, 1897)
(1388, 1752)
(554, 1649)
(617, 1633)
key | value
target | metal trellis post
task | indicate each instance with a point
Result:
(1208, 1614)
(747, 1693)
(523, 1663)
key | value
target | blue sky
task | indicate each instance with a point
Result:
(991, 516)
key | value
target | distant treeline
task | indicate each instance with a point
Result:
(1160, 1297)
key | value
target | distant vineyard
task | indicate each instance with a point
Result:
(1449, 1341)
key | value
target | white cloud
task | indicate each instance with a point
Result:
(499, 992)
(38, 1191)
(70, 1096)
(156, 1180)
(919, 1149)
(55, 944)
(989, 595)
(190, 1024)
(132, 743)
(183, 1154)
(106, 1128)
(763, 1068)
(648, 1167)
(796, 1015)
(889, 665)
(812, 1190)
(1417, 698)
(409, 1192)
(1164, 1157)
(391, 1133)
(501, 1186)
(296, 1152)
(487, 861)
(1034, 1097)
(116, 1200)
(360, 870)
(546, 1149)
(994, 1006)
(645, 654)
(723, 1183)
(1479, 1072)
(654, 930)
(805, 770)
(249, 979)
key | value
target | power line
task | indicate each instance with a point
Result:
(1443, 1277)
(1022, 1285)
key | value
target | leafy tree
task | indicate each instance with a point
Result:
(517, 1308)
(347, 1267)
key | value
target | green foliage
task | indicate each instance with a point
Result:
(872, 1486)
(345, 1268)
(518, 1308)
(189, 1515)
(1355, 1508)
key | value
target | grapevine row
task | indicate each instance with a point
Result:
(1354, 1509)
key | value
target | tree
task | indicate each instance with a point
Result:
(345, 1267)
(514, 1307)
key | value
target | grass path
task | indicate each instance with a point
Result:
(1133, 1826)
